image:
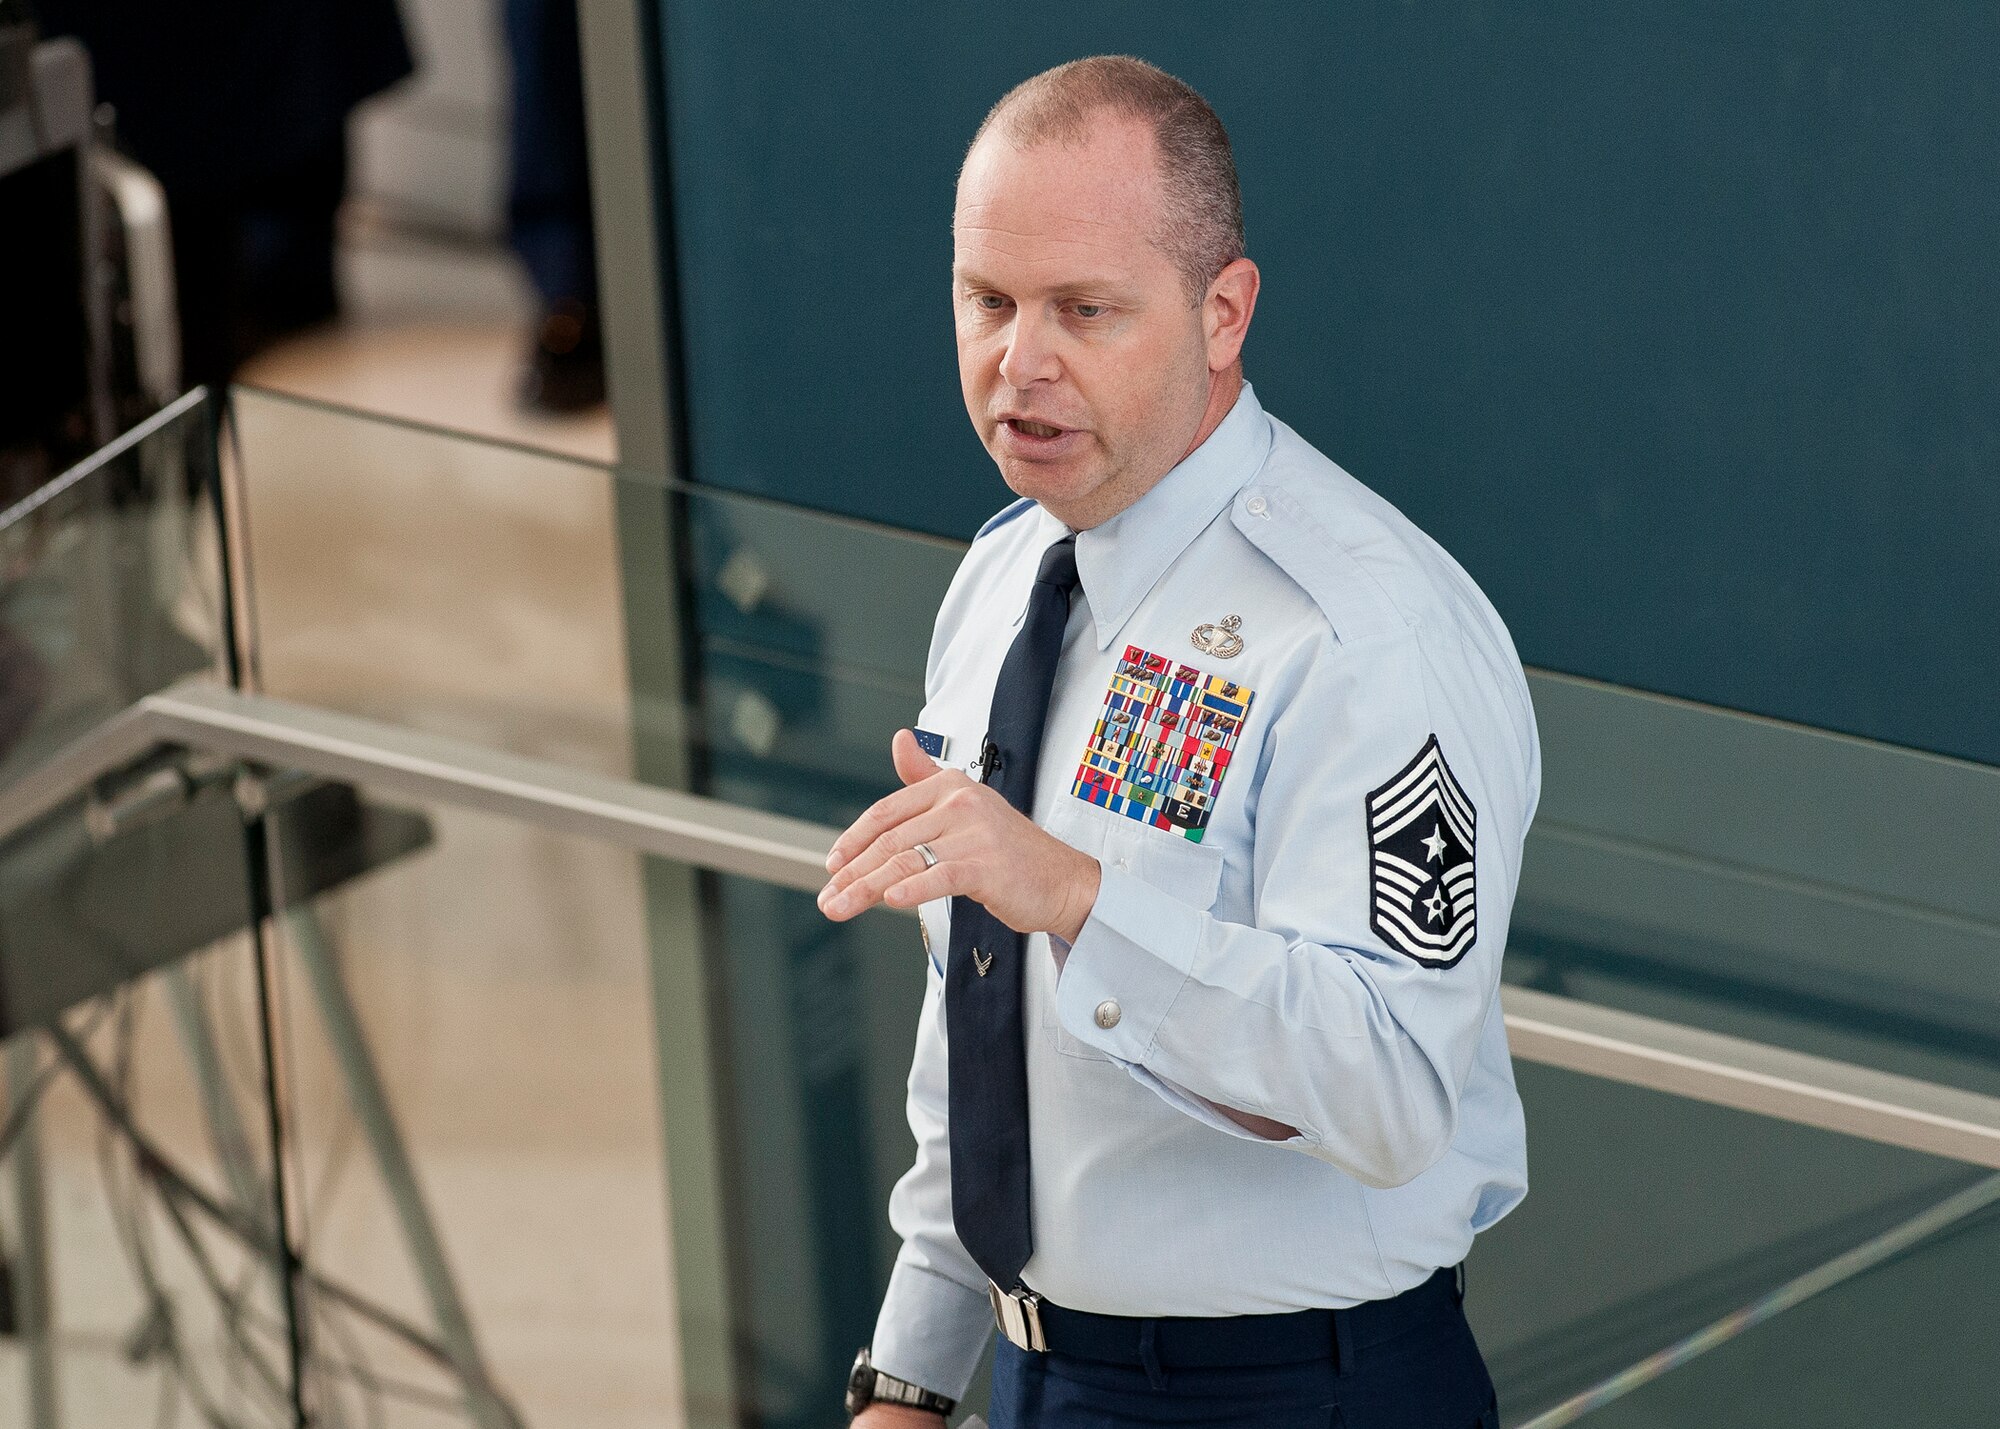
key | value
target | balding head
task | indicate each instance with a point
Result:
(1100, 313)
(1200, 223)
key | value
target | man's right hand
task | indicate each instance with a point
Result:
(897, 1416)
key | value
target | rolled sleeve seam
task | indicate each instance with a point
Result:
(1153, 1042)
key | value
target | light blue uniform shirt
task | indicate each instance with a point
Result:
(1326, 954)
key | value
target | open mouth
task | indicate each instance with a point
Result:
(1033, 429)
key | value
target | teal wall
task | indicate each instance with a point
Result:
(1678, 325)
(1680, 329)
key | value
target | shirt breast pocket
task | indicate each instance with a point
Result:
(1189, 872)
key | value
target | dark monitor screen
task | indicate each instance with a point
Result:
(44, 342)
(47, 398)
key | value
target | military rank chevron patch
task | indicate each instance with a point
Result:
(1421, 889)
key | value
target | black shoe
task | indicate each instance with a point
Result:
(566, 363)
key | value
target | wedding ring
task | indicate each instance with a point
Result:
(929, 858)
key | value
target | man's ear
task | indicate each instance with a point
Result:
(1225, 312)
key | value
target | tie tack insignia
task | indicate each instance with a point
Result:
(982, 963)
(1220, 638)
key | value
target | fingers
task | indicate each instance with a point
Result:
(947, 880)
(884, 814)
(877, 852)
(897, 870)
(925, 827)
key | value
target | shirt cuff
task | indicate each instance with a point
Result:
(931, 1331)
(1132, 959)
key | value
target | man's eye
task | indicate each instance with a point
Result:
(1088, 310)
(989, 302)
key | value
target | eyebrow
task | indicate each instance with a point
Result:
(1094, 283)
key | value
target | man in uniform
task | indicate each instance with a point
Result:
(1213, 819)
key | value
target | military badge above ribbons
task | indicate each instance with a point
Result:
(1162, 743)
(1421, 830)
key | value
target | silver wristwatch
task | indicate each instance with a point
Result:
(867, 1385)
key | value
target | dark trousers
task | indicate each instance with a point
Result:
(548, 190)
(254, 262)
(1428, 1375)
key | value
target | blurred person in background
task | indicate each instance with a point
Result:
(240, 108)
(548, 206)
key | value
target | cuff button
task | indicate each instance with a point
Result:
(1108, 1013)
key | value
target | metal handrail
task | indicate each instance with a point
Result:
(709, 833)
(1752, 1076)
(202, 715)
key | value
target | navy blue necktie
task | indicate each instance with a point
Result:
(984, 969)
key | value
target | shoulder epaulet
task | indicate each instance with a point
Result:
(1307, 499)
(1004, 515)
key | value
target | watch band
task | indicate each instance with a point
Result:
(890, 1390)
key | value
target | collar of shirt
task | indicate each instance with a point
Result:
(1124, 558)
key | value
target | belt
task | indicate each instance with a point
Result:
(1223, 1342)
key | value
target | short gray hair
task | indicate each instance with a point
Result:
(1202, 226)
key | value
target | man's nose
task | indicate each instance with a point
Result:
(1031, 354)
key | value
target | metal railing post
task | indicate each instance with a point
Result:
(34, 1296)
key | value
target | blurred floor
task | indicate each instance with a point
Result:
(435, 332)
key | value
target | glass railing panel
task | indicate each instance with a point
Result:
(488, 1079)
(1814, 891)
(1650, 1218)
(476, 1130)
(1901, 1335)
(110, 585)
(434, 581)
(580, 613)
(809, 640)
(818, 1021)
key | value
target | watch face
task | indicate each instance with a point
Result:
(860, 1385)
